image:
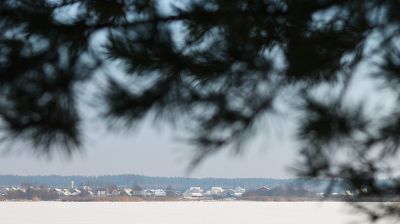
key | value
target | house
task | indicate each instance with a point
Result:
(195, 189)
(216, 191)
(263, 191)
(148, 192)
(126, 191)
(66, 192)
(101, 193)
(138, 191)
(229, 193)
(239, 191)
(74, 192)
(197, 195)
(160, 193)
(59, 191)
(194, 192)
(85, 192)
(113, 192)
(170, 192)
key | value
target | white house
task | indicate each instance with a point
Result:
(239, 191)
(160, 193)
(59, 191)
(195, 192)
(216, 191)
(128, 191)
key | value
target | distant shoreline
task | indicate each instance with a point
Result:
(261, 199)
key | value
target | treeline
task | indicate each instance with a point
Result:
(129, 180)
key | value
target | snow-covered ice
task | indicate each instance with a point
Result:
(236, 212)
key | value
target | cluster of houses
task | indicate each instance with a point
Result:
(214, 192)
(87, 191)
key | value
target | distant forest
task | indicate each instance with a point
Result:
(179, 183)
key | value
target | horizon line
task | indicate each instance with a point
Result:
(132, 174)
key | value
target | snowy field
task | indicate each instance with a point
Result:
(176, 213)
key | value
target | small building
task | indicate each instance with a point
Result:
(148, 192)
(194, 192)
(138, 191)
(101, 193)
(113, 192)
(196, 189)
(239, 191)
(126, 191)
(216, 191)
(74, 192)
(60, 192)
(229, 193)
(160, 193)
(263, 191)
(197, 195)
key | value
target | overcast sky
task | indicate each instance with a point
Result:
(155, 152)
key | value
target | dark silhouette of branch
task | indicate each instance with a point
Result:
(219, 67)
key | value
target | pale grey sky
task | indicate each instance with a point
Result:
(154, 152)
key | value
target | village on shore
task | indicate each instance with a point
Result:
(137, 193)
